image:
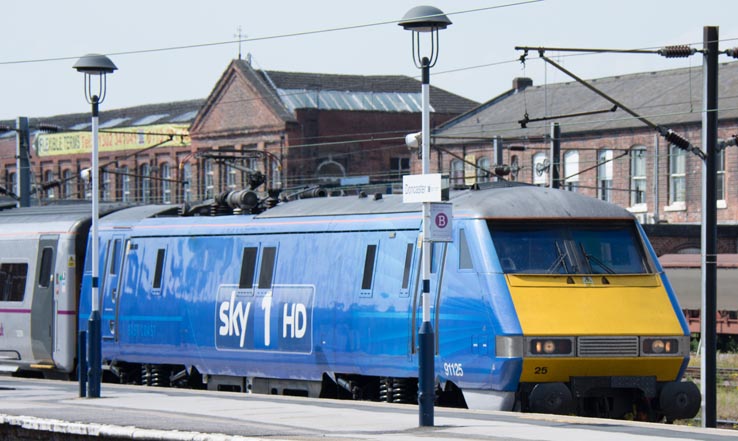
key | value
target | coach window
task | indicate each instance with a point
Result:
(368, 278)
(44, 275)
(266, 272)
(13, 281)
(465, 259)
(158, 273)
(248, 268)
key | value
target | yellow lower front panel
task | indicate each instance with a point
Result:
(543, 370)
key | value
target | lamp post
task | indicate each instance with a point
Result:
(425, 19)
(94, 65)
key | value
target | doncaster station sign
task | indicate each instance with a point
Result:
(422, 188)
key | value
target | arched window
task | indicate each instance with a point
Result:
(166, 187)
(483, 171)
(144, 176)
(207, 172)
(571, 170)
(48, 177)
(457, 173)
(187, 182)
(124, 179)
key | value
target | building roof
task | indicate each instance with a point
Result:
(385, 93)
(669, 97)
(178, 112)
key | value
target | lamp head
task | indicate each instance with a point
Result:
(424, 19)
(95, 64)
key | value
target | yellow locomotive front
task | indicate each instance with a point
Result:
(602, 332)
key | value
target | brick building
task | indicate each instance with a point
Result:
(294, 129)
(606, 154)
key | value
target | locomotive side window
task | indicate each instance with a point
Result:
(266, 272)
(13, 281)
(569, 248)
(44, 275)
(465, 259)
(248, 268)
(408, 263)
(371, 255)
(115, 257)
(158, 273)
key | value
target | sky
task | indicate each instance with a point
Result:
(477, 57)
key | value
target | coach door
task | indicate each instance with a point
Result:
(110, 286)
(42, 307)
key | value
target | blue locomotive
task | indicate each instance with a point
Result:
(545, 301)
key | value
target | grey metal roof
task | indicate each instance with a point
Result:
(392, 89)
(348, 100)
(665, 97)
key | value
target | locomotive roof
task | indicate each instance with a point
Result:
(499, 200)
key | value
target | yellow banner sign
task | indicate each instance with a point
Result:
(129, 138)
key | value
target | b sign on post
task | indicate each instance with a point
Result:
(421, 188)
(441, 214)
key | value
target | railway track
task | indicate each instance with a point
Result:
(723, 374)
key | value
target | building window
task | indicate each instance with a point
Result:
(720, 178)
(166, 187)
(399, 167)
(49, 177)
(540, 170)
(125, 184)
(571, 170)
(144, 172)
(483, 171)
(186, 180)
(514, 168)
(457, 173)
(637, 175)
(207, 171)
(67, 184)
(106, 185)
(677, 174)
(604, 175)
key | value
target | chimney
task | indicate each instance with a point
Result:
(521, 83)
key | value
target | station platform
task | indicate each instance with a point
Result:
(51, 410)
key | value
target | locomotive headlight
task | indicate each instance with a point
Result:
(541, 346)
(662, 345)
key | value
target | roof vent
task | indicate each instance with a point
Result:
(521, 83)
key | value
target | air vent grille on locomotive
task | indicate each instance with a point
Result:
(626, 346)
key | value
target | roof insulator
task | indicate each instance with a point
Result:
(678, 51)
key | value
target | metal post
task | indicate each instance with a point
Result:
(656, 200)
(499, 159)
(93, 326)
(23, 166)
(709, 226)
(426, 365)
(82, 363)
(555, 155)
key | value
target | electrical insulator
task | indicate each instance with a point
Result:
(678, 51)
(732, 52)
(677, 140)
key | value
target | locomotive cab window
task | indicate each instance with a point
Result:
(569, 248)
(13, 281)
(465, 259)
(248, 268)
(368, 277)
(266, 272)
